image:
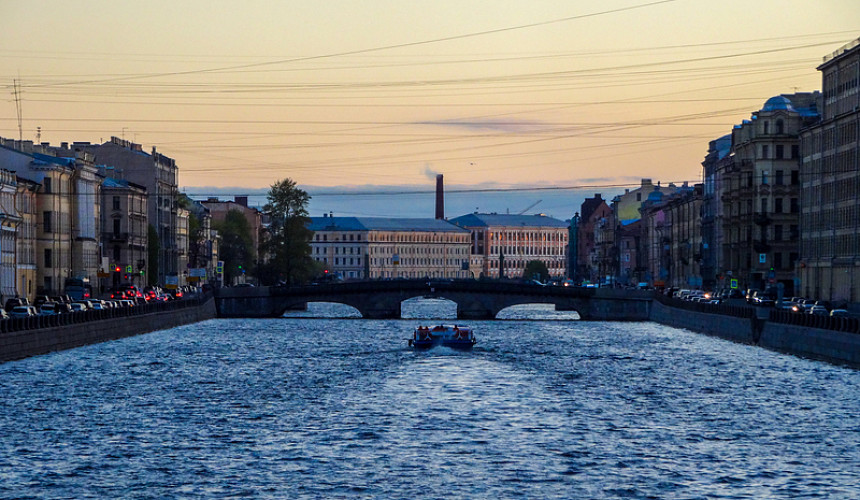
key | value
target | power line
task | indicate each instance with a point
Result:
(381, 48)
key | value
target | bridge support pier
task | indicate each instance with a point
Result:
(475, 314)
(380, 313)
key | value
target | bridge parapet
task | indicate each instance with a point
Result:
(475, 299)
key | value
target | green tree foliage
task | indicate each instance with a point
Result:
(289, 244)
(152, 252)
(536, 269)
(195, 231)
(237, 245)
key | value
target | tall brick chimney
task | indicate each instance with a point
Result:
(440, 198)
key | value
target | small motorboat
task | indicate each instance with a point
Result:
(453, 336)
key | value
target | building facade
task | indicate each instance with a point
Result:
(503, 244)
(760, 193)
(124, 233)
(829, 268)
(374, 248)
(160, 176)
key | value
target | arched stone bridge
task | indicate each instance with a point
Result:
(475, 299)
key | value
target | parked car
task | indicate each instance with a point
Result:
(85, 304)
(23, 312)
(818, 311)
(40, 299)
(15, 301)
(49, 309)
(760, 298)
(77, 307)
(840, 313)
(3, 314)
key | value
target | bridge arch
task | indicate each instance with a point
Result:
(475, 299)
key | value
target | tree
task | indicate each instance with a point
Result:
(536, 269)
(152, 252)
(237, 245)
(289, 242)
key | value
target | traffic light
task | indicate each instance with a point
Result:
(118, 269)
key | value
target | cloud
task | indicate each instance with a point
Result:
(511, 126)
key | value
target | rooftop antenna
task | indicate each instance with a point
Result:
(16, 91)
(38, 135)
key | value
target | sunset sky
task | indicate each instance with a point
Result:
(382, 95)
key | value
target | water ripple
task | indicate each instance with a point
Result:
(334, 408)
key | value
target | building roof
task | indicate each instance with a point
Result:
(381, 224)
(508, 220)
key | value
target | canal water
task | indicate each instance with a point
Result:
(337, 407)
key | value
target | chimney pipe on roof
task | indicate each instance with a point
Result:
(440, 198)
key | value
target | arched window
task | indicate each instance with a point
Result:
(780, 127)
(766, 127)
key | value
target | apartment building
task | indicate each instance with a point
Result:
(369, 247)
(829, 265)
(503, 244)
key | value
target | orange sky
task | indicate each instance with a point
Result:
(354, 93)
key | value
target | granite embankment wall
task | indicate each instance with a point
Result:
(34, 336)
(833, 340)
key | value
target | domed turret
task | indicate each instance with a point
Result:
(778, 103)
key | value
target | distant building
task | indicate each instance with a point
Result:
(26, 265)
(370, 247)
(160, 176)
(830, 221)
(218, 211)
(10, 220)
(760, 194)
(718, 150)
(124, 232)
(54, 209)
(592, 210)
(502, 244)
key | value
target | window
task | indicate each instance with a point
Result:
(777, 232)
(46, 183)
(795, 177)
(778, 178)
(47, 218)
(116, 254)
(777, 260)
(780, 151)
(777, 207)
(795, 207)
(795, 151)
(780, 127)
(116, 202)
(49, 258)
(764, 205)
(765, 151)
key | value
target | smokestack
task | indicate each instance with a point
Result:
(440, 198)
